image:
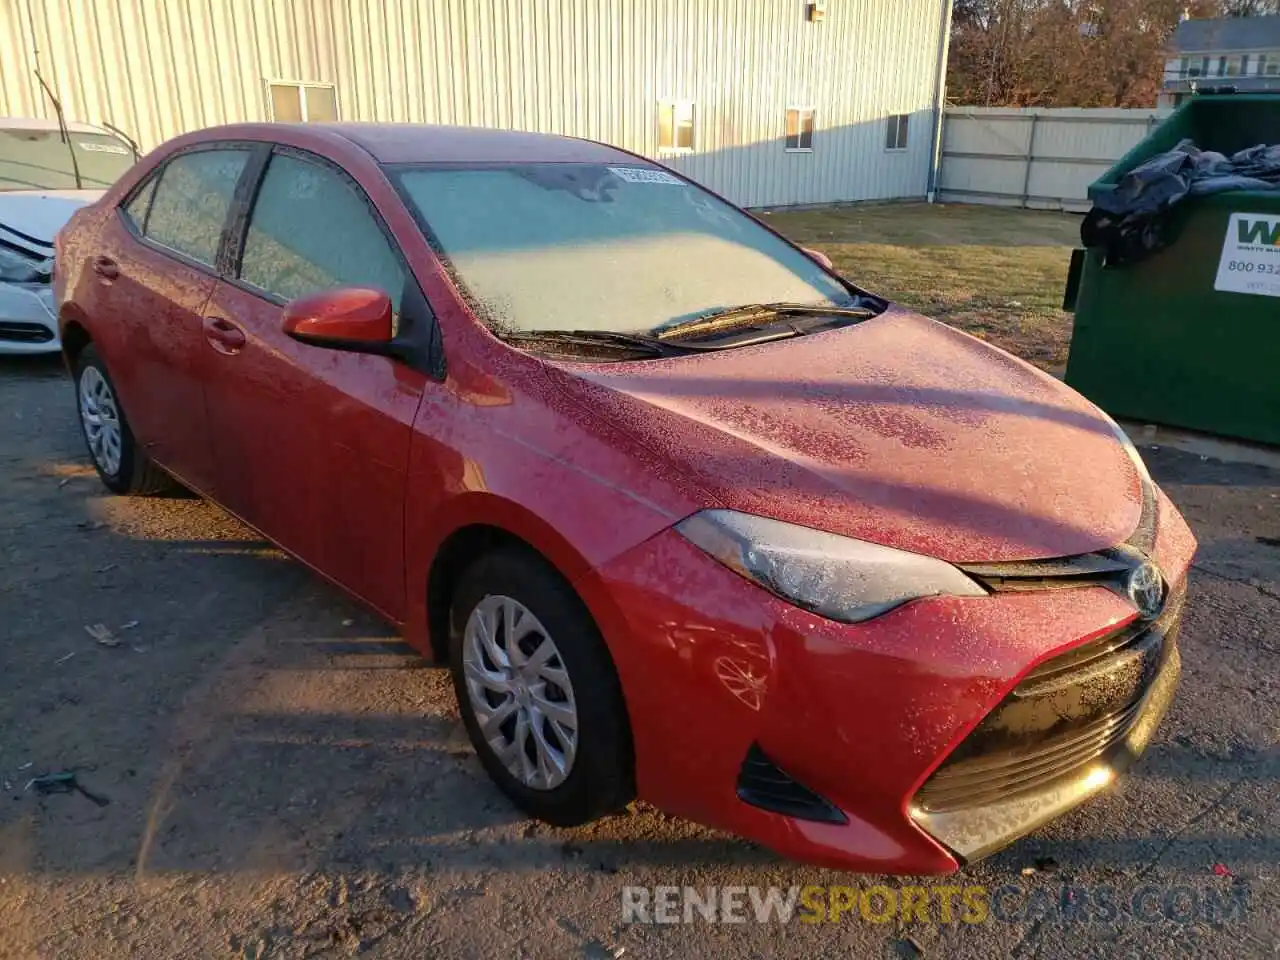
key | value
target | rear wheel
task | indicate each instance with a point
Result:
(120, 463)
(537, 690)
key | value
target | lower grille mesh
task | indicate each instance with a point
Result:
(982, 780)
(1066, 713)
(25, 332)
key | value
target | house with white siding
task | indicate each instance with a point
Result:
(1239, 52)
(770, 102)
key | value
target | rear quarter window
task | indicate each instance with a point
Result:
(140, 203)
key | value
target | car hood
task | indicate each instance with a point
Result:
(899, 430)
(39, 214)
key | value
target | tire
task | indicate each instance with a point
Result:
(599, 779)
(128, 470)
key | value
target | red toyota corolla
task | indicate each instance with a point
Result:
(689, 516)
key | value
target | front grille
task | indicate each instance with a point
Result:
(983, 780)
(25, 332)
(1065, 714)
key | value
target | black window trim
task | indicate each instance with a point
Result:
(424, 345)
(138, 232)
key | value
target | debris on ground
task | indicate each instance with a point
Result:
(102, 635)
(1040, 865)
(63, 782)
(129, 626)
(599, 950)
(64, 658)
(1221, 870)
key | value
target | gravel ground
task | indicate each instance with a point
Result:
(285, 779)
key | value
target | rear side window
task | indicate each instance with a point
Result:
(136, 209)
(190, 202)
(311, 230)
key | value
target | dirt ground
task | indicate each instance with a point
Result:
(283, 779)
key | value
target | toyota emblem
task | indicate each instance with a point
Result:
(1146, 589)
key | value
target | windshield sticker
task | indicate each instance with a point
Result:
(642, 175)
(102, 148)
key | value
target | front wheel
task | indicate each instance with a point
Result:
(120, 463)
(538, 691)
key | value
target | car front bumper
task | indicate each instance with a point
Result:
(723, 681)
(28, 322)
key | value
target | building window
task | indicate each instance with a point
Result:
(293, 102)
(675, 125)
(1272, 67)
(800, 128)
(1233, 67)
(896, 132)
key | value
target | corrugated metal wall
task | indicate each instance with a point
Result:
(592, 68)
(1035, 157)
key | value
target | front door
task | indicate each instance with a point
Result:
(154, 273)
(312, 444)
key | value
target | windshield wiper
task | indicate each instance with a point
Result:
(634, 342)
(750, 313)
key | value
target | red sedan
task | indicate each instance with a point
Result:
(689, 516)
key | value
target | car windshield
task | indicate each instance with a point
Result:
(40, 160)
(592, 247)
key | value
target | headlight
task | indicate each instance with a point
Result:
(837, 577)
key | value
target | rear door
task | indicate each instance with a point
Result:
(154, 270)
(312, 444)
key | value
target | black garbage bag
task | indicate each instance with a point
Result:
(1130, 223)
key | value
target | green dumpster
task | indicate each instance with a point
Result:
(1190, 337)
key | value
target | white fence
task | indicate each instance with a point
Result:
(1034, 157)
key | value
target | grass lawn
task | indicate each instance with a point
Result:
(995, 272)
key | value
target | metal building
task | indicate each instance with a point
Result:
(771, 102)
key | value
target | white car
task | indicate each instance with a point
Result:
(44, 179)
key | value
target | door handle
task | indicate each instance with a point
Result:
(106, 268)
(223, 335)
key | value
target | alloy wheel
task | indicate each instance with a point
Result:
(520, 692)
(100, 416)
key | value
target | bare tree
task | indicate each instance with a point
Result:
(1065, 53)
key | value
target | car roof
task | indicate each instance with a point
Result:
(40, 123)
(430, 143)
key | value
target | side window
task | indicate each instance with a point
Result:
(311, 230)
(136, 209)
(190, 203)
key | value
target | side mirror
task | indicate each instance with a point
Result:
(821, 257)
(350, 318)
